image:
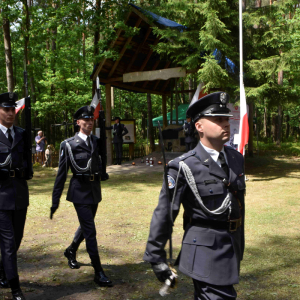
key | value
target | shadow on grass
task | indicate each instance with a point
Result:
(271, 168)
(267, 267)
(131, 280)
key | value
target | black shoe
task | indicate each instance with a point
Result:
(71, 256)
(18, 295)
(4, 283)
(3, 280)
(102, 280)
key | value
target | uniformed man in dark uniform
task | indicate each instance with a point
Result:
(209, 182)
(189, 132)
(119, 130)
(15, 169)
(81, 154)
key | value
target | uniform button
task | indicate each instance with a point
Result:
(194, 240)
(211, 191)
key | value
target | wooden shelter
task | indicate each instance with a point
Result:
(138, 68)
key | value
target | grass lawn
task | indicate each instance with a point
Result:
(270, 269)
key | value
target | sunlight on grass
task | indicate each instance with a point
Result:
(270, 269)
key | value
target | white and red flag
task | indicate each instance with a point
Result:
(244, 126)
(20, 105)
(96, 104)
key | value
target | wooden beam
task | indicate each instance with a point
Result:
(114, 79)
(149, 55)
(131, 87)
(180, 92)
(165, 85)
(158, 81)
(107, 123)
(138, 49)
(163, 74)
(164, 111)
(137, 24)
(101, 63)
(154, 68)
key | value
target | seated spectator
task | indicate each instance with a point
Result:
(48, 154)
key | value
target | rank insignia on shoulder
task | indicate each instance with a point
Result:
(62, 152)
(171, 182)
(206, 160)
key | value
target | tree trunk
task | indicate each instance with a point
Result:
(150, 132)
(287, 133)
(8, 55)
(190, 88)
(265, 121)
(273, 128)
(279, 127)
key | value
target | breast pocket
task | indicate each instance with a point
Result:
(197, 252)
(4, 152)
(80, 156)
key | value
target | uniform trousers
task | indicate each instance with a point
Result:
(206, 291)
(12, 224)
(87, 230)
(118, 151)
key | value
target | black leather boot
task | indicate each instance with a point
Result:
(3, 280)
(15, 289)
(70, 254)
(101, 279)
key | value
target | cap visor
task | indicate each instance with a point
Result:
(218, 115)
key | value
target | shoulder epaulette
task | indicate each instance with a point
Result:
(183, 156)
(232, 149)
(19, 128)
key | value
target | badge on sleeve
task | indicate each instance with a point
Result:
(62, 152)
(171, 182)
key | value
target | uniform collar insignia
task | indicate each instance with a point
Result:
(206, 160)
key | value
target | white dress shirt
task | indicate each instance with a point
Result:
(84, 137)
(215, 154)
(4, 130)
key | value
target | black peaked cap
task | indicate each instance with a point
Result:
(210, 105)
(85, 112)
(8, 99)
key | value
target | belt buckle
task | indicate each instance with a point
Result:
(12, 173)
(92, 177)
(235, 227)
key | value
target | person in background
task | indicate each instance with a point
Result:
(119, 130)
(40, 146)
(189, 132)
(48, 154)
(81, 154)
(15, 169)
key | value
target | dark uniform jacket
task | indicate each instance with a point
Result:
(81, 190)
(189, 132)
(208, 255)
(14, 190)
(118, 131)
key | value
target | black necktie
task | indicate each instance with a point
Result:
(88, 141)
(224, 165)
(10, 138)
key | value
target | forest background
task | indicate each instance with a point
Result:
(60, 41)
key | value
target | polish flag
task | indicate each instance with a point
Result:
(20, 105)
(96, 104)
(199, 92)
(244, 126)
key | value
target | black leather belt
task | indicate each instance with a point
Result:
(87, 177)
(6, 174)
(231, 225)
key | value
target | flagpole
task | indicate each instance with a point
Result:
(241, 40)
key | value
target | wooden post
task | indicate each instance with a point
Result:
(109, 147)
(164, 111)
(131, 151)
